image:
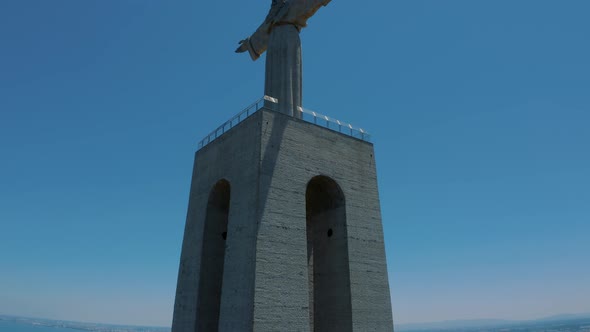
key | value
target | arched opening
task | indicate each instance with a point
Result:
(330, 307)
(213, 257)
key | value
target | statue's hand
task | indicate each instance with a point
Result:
(243, 46)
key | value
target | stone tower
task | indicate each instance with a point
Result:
(283, 231)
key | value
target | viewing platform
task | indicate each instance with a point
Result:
(268, 103)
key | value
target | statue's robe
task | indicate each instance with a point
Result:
(283, 46)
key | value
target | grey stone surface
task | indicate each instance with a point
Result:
(269, 160)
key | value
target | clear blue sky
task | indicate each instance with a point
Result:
(480, 112)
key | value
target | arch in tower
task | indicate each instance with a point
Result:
(213, 257)
(330, 307)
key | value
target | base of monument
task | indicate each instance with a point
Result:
(283, 233)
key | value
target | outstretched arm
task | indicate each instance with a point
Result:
(257, 43)
(311, 7)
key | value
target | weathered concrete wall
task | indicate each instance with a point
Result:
(293, 152)
(235, 158)
(269, 160)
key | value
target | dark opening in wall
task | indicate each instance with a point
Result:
(330, 307)
(213, 257)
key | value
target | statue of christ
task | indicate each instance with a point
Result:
(279, 37)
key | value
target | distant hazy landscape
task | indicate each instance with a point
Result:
(562, 323)
(25, 324)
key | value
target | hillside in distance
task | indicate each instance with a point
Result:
(80, 326)
(559, 323)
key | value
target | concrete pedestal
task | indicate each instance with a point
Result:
(283, 233)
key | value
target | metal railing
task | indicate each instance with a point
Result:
(306, 115)
(229, 124)
(334, 124)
